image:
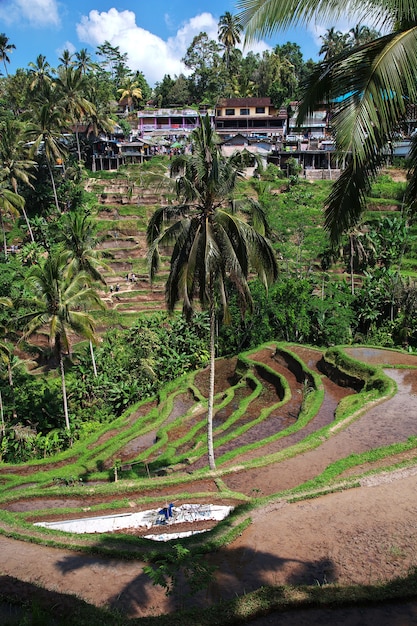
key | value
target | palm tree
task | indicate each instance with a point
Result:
(80, 241)
(5, 49)
(130, 91)
(15, 164)
(369, 88)
(58, 304)
(361, 34)
(212, 246)
(333, 43)
(78, 234)
(46, 123)
(71, 85)
(83, 61)
(66, 59)
(229, 33)
(6, 356)
(360, 249)
(99, 120)
(10, 204)
(40, 73)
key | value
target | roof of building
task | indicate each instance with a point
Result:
(242, 101)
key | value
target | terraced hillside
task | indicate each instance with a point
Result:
(124, 211)
(290, 423)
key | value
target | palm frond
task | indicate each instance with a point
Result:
(263, 18)
(347, 200)
(184, 260)
(234, 230)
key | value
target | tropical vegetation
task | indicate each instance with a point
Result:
(369, 88)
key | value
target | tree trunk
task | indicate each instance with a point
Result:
(4, 236)
(64, 390)
(93, 359)
(28, 225)
(210, 446)
(51, 174)
(3, 428)
(77, 136)
(11, 384)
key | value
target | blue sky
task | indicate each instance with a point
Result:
(155, 35)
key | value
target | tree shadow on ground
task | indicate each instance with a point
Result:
(236, 572)
(21, 602)
(26, 603)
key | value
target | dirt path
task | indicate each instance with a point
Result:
(361, 536)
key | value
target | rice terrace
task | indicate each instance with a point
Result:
(299, 434)
(309, 514)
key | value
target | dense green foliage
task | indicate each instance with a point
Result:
(132, 364)
(369, 80)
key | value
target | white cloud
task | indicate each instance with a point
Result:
(147, 52)
(37, 12)
(68, 45)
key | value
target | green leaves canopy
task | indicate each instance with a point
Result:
(368, 88)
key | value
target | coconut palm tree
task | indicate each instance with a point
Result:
(80, 241)
(5, 49)
(359, 250)
(71, 85)
(78, 234)
(130, 91)
(10, 204)
(46, 125)
(333, 43)
(99, 120)
(6, 355)
(66, 58)
(15, 164)
(229, 31)
(40, 73)
(83, 61)
(58, 308)
(361, 34)
(369, 88)
(211, 245)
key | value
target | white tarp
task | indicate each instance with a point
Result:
(143, 519)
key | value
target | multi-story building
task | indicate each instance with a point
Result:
(251, 117)
(168, 122)
(314, 128)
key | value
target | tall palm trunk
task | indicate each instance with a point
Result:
(3, 427)
(51, 174)
(93, 359)
(64, 390)
(11, 384)
(77, 136)
(25, 215)
(210, 407)
(4, 236)
(352, 282)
